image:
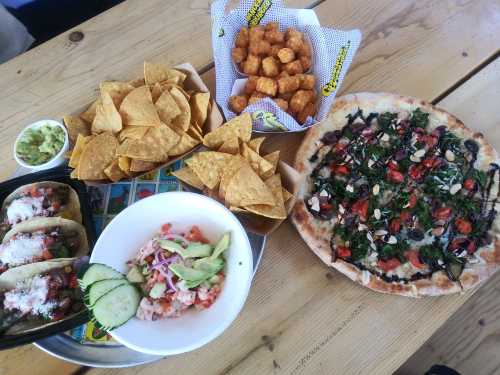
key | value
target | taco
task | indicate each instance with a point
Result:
(37, 295)
(41, 199)
(42, 239)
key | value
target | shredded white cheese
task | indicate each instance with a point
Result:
(24, 208)
(22, 250)
(30, 297)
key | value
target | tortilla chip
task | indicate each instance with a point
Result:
(246, 188)
(231, 146)
(240, 126)
(132, 132)
(107, 117)
(286, 195)
(277, 211)
(74, 173)
(80, 144)
(89, 114)
(96, 157)
(195, 133)
(154, 146)
(117, 90)
(208, 166)
(137, 165)
(187, 175)
(273, 158)
(185, 144)
(197, 127)
(158, 72)
(114, 172)
(124, 164)
(138, 109)
(238, 209)
(76, 126)
(138, 82)
(199, 107)
(255, 144)
(156, 91)
(167, 107)
(258, 163)
(228, 172)
(182, 121)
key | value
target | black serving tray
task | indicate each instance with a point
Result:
(59, 174)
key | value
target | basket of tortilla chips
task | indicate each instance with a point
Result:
(141, 125)
(234, 170)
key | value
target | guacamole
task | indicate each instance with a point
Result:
(38, 146)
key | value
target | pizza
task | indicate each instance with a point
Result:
(399, 196)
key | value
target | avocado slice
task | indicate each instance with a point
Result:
(188, 274)
(171, 246)
(135, 275)
(157, 290)
(222, 245)
(196, 250)
(209, 265)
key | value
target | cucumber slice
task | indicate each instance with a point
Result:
(100, 288)
(98, 272)
(117, 306)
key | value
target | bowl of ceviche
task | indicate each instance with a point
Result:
(169, 273)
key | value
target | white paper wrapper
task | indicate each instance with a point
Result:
(333, 51)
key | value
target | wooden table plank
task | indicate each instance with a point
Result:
(275, 323)
(469, 341)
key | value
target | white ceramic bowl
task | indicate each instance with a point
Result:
(133, 227)
(57, 160)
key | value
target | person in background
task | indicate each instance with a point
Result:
(14, 37)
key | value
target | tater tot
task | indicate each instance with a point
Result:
(308, 110)
(283, 74)
(239, 54)
(292, 33)
(242, 38)
(288, 84)
(238, 103)
(256, 33)
(306, 62)
(270, 67)
(274, 36)
(307, 81)
(272, 26)
(294, 67)
(286, 55)
(282, 103)
(295, 44)
(256, 96)
(300, 99)
(259, 47)
(286, 96)
(267, 86)
(305, 50)
(251, 85)
(275, 49)
(251, 65)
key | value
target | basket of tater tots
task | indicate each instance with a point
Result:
(277, 63)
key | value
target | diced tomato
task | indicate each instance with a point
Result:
(401, 131)
(325, 206)
(442, 213)
(395, 176)
(56, 205)
(361, 208)
(34, 192)
(469, 184)
(46, 254)
(73, 281)
(414, 259)
(149, 259)
(387, 265)
(404, 215)
(160, 278)
(393, 165)
(48, 241)
(471, 247)
(412, 202)
(456, 243)
(395, 225)
(196, 235)
(463, 225)
(343, 252)
(165, 228)
(416, 172)
(340, 146)
(430, 140)
(340, 169)
(429, 162)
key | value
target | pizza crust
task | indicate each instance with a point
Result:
(317, 233)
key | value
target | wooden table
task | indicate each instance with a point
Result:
(301, 317)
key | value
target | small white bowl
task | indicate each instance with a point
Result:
(134, 226)
(57, 160)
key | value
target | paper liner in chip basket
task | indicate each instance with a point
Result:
(333, 51)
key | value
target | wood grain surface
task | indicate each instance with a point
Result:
(300, 318)
(469, 342)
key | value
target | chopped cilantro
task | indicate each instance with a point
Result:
(419, 119)
(423, 213)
